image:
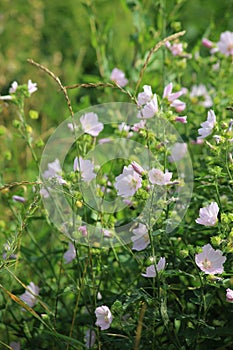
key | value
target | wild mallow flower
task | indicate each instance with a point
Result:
(32, 87)
(176, 48)
(208, 125)
(225, 44)
(104, 317)
(178, 151)
(90, 124)
(13, 87)
(128, 182)
(118, 77)
(210, 261)
(30, 295)
(199, 94)
(229, 295)
(90, 338)
(151, 271)
(141, 238)
(85, 167)
(148, 103)
(70, 254)
(157, 177)
(54, 171)
(173, 98)
(208, 216)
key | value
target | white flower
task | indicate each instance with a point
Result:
(86, 168)
(225, 45)
(148, 101)
(229, 295)
(141, 238)
(151, 271)
(70, 254)
(13, 87)
(128, 182)
(178, 151)
(104, 317)
(118, 77)
(210, 261)
(156, 176)
(208, 125)
(90, 124)
(208, 216)
(30, 295)
(32, 87)
(146, 96)
(150, 109)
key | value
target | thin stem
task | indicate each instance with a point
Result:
(57, 80)
(152, 51)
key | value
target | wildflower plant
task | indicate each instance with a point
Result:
(118, 235)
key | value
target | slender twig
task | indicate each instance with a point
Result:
(90, 85)
(22, 183)
(57, 80)
(152, 51)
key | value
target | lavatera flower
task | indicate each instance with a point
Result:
(210, 261)
(104, 317)
(208, 216)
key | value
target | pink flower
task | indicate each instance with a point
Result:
(104, 317)
(141, 238)
(173, 98)
(85, 167)
(90, 124)
(138, 126)
(182, 120)
(145, 96)
(151, 271)
(19, 199)
(150, 109)
(148, 101)
(90, 338)
(208, 216)
(208, 125)
(178, 151)
(178, 105)
(70, 254)
(167, 93)
(210, 261)
(83, 230)
(13, 87)
(225, 45)
(200, 95)
(229, 295)
(156, 176)
(176, 49)
(15, 345)
(30, 295)
(137, 168)
(32, 87)
(207, 43)
(118, 77)
(128, 182)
